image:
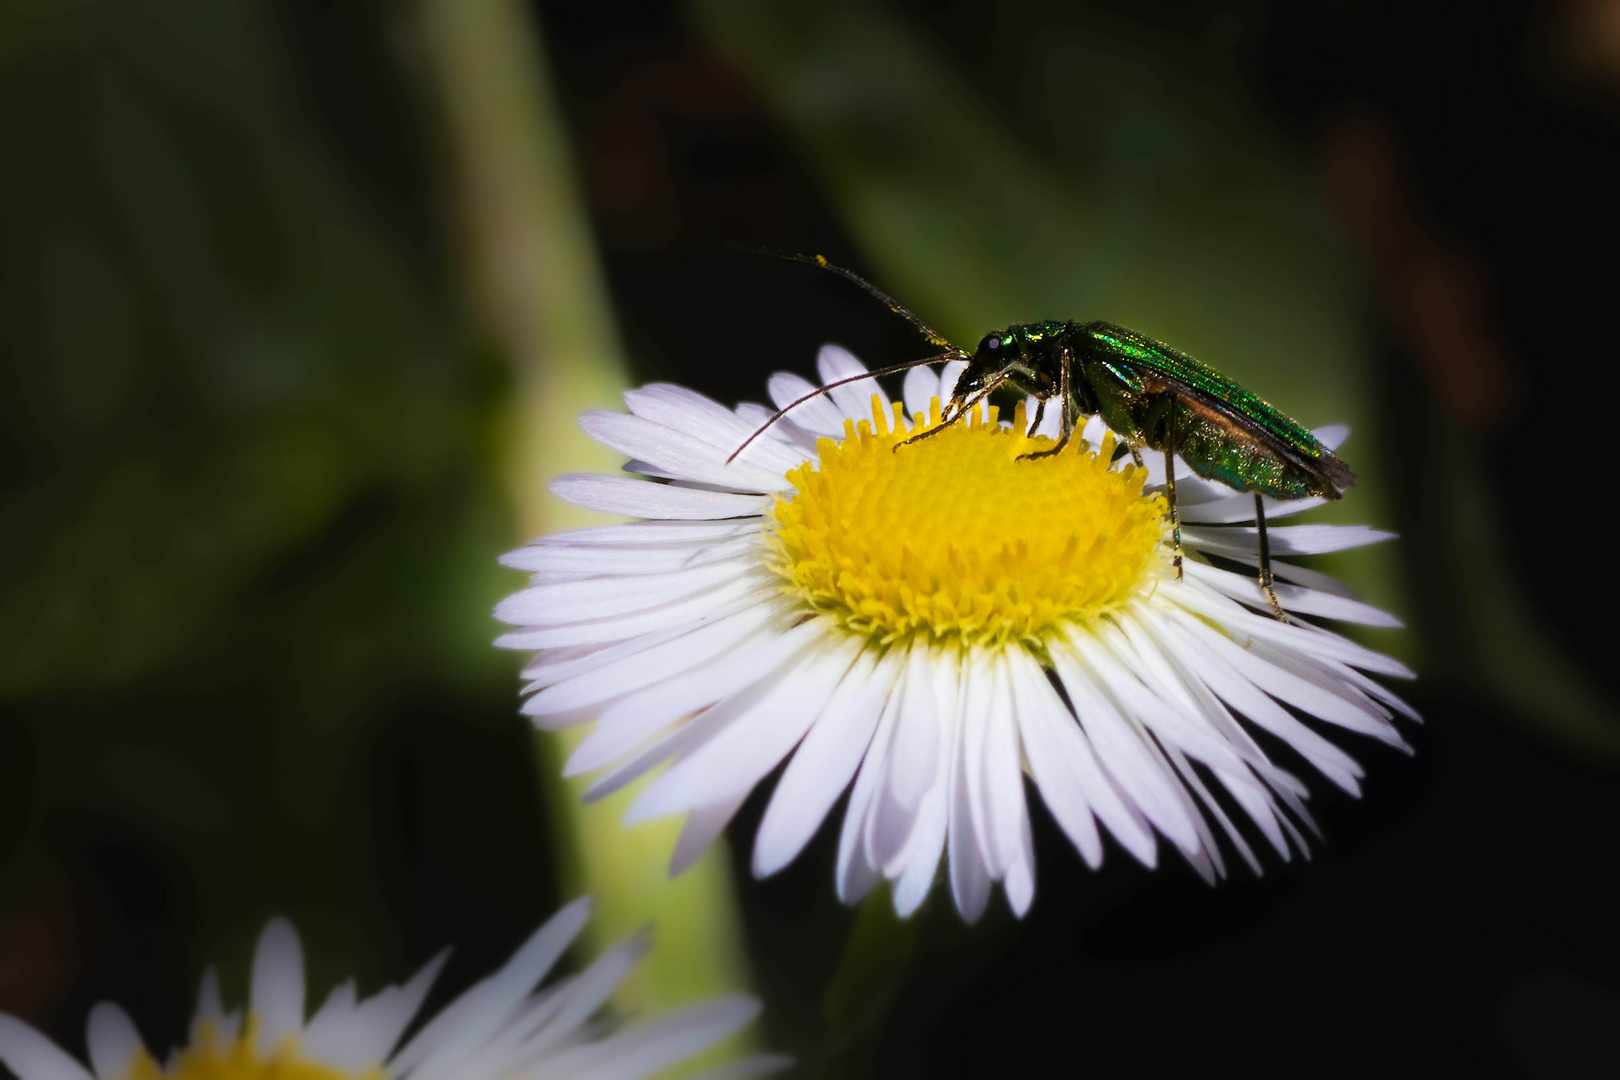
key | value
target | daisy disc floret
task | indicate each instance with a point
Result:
(505, 1026)
(931, 626)
(957, 540)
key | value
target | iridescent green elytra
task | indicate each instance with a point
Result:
(1150, 394)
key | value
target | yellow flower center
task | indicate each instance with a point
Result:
(953, 538)
(211, 1058)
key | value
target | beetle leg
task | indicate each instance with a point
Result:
(935, 430)
(1040, 414)
(1136, 455)
(1266, 584)
(966, 410)
(1068, 414)
(1170, 484)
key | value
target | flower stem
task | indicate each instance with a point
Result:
(536, 290)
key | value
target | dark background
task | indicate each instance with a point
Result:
(250, 517)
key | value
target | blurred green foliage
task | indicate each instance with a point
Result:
(249, 510)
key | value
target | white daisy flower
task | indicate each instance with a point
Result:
(503, 1028)
(925, 629)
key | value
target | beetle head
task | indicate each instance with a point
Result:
(986, 368)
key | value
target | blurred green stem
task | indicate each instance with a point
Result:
(532, 276)
(869, 975)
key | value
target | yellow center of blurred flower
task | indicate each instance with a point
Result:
(954, 539)
(211, 1058)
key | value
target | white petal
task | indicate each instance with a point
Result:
(1262, 810)
(603, 598)
(34, 1057)
(690, 413)
(1047, 754)
(588, 991)
(526, 1037)
(970, 877)
(1180, 687)
(1123, 751)
(767, 722)
(1379, 693)
(702, 827)
(1051, 425)
(1286, 686)
(1315, 579)
(920, 388)
(1238, 620)
(682, 738)
(112, 1041)
(680, 454)
(628, 723)
(1020, 886)
(562, 561)
(642, 1050)
(917, 759)
(336, 1014)
(1284, 539)
(1007, 816)
(835, 362)
(1072, 782)
(647, 468)
(1121, 669)
(1150, 630)
(856, 872)
(1247, 590)
(1238, 692)
(923, 851)
(783, 430)
(693, 610)
(276, 997)
(641, 534)
(555, 665)
(211, 1012)
(477, 1014)
(823, 765)
(753, 1065)
(665, 661)
(643, 498)
(358, 1038)
(975, 718)
(1332, 436)
(1211, 850)
(919, 743)
(1315, 671)
(1237, 508)
(814, 413)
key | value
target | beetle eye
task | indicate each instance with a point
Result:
(992, 343)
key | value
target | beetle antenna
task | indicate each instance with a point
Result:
(934, 336)
(784, 410)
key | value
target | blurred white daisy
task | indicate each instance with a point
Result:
(504, 1028)
(924, 629)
